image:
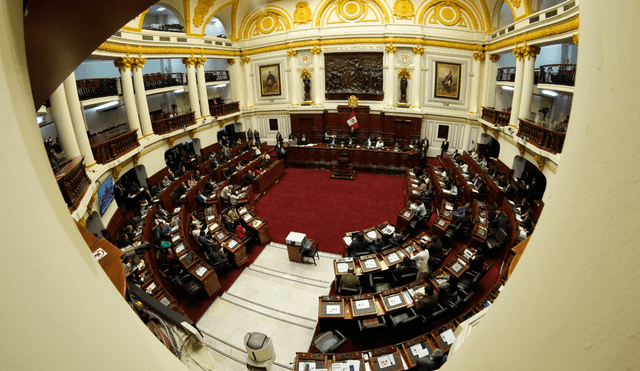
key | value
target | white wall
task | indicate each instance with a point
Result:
(96, 69)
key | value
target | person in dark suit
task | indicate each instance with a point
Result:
(350, 142)
(444, 147)
(369, 142)
(201, 199)
(256, 136)
(303, 140)
(279, 138)
(407, 266)
(333, 141)
(426, 303)
(358, 245)
(164, 232)
(250, 136)
(432, 362)
(248, 177)
(350, 280)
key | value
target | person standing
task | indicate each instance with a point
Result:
(256, 136)
(250, 136)
(444, 147)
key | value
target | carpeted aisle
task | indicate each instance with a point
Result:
(308, 201)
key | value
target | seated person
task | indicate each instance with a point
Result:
(191, 182)
(170, 175)
(427, 195)
(266, 161)
(182, 188)
(407, 266)
(248, 177)
(200, 199)
(165, 182)
(200, 235)
(454, 189)
(462, 220)
(256, 151)
(195, 223)
(482, 187)
(260, 169)
(447, 182)
(303, 140)
(358, 245)
(350, 142)
(219, 259)
(522, 206)
(350, 280)
(281, 151)
(239, 229)
(474, 155)
(449, 289)
(464, 168)
(396, 147)
(380, 144)
(426, 303)
(369, 143)
(462, 209)
(210, 186)
(197, 176)
(499, 222)
(397, 239)
(181, 171)
(163, 232)
(418, 209)
(234, 199)
(227, 223)
(333, 141)
(292, 137)
(376, 245)
(476, 262)
(233, 214)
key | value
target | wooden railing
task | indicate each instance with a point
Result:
(162, 80)
(547, 139)
(113, 148)
(500, 118)
(557, 74)
(96, 88)
(107, 134)
(210, 76)
(506, 74)
(223, 109)
(73, 182)
(173, 123)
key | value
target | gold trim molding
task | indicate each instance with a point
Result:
(494, 57)
(292, 53)
(404, 73)
(316, 50)
(305, 73)
(566, 26)
(245, 60)
(478, 56)
(418, 50)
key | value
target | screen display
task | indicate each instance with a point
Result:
(105, 194)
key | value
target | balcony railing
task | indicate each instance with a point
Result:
(210, 76)
(165, 27)
(506, 74)
(162, 80)
(173, 123)
(96, 88)
(223, 109)
(500, 118)
(110, 149)
(547, 139)
(73, 182)
(558, 74)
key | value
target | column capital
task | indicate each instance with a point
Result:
(138, 63)
(576, 38)
(478, 56)
(190, 61)
(404, 73)
(530, 51)
(245, 59)
(124, 63)
(292, 53)
(518, 51)
(391, 49)
(418, 50)
(200, 61)
(305, 73)
(231, 61)
(316, 51)
(494, 57)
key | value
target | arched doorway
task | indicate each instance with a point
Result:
(488, 146)
(163, 17)
(183, 154)
(530, 180)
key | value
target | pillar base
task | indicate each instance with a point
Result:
(403, 104)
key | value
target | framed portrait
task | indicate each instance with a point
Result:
(270, 80)
(447, 80)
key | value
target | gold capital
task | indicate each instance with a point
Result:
(575, 38)
(138, 63)
(136, 158)
(494, 57)
(518, 52)
(418, 50)
(123, 63)
(478, 56)
(316, 50)
(530, 51)
(115, 172)
(390, 48)
(189, 61)
(292, 53)
(231, 61)
(200, 61)
(245, 59)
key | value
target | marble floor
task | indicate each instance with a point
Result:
(274, 296)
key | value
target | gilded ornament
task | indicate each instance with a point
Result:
(302, 14)
(82, 220)
(521, 148)
(91, 201)
(418, 50)
(245, 59)
(231, 61)
(518, 51)
(515, 3)
(530, 51)
(540, 161)
(494, 57)
(567, 26)
(267, 22)
(138, 63)
(351, 9)
(305, 73)
(495, 132)
(115, 172)
(170, 141)
(353, 102)
(135, 159)
(575, 38)
(123, 63)
(403, 9)
(201, 11)
(391, 49)
(200, 61)
(305, 59)
(404, 57)
(192, 134)
(448, 13)
(478, 56)
(316, 50)
(292, 53)
(190, 61)
(404, 73)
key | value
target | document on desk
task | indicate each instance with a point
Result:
(418, 351)
(347, 240)
(371, 264)
(306, 366)
(246, 217)
(456, 267)
(389, 229)
(394, 300)
(467, 253)
(448, 336)
(210, 217)
(213, 226)
(343, 267)
(415, 192)
(243, 210)
(362, 304)
(150, 288)
(201, 271)
(386, 361)
(333, 309)
(393, 257)
(446, 191)
(407, 214)
(411, 173)
(414, 185)
(180, 248)
(372, 234)
(256, 224)
(175, 238)
(232, 244)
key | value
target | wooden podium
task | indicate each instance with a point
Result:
(343, 169)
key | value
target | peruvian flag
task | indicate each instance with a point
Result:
(353, 121)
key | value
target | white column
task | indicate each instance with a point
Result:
(416, 81)
(141, 96)
(124, 65)
(62, 117)
(390, 92)
(295, 81)
(517, 92)
(491, 73)
(247, 79)
(202, 87)
(475, 83)
(77, 118)
(189, 64)
(318, 93)
(235, 80)
(529, 56)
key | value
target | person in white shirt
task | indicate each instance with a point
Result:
(420, 211)
(421, 258)
(380, 144)
(454, 189)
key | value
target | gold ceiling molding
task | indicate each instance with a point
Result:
(566, 26)
(201, 11)
(452, 12)
(448, 13)
(494, 57)
(478, 56)
(403, 9)
(391, 49)
(302, 14)
(515, 3)
(351, 9)
(148, 50)
(418, 50)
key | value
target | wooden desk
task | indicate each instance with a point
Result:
(269, 177)
(386, 359)
(262, 228)
(405, 216)
(413, 346)
(315, 360)
(333, 307)
(295, 252)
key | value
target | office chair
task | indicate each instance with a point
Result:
(311, 254)
(342, 290)
(402, 279)
(220, 266)
(495, 243)
(260, 352)
(378, 284)
(329, 341)
(372, 326)
(189, 284)
(405, 318)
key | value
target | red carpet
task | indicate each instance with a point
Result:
(308, 201)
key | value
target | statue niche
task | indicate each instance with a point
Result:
(357, 74)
